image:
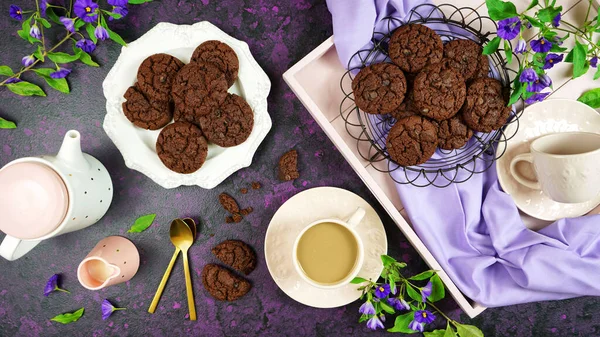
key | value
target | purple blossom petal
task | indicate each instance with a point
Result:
(540, 84)
(107, 309)
(509, 28)
(367, 308)
(86, 10)
(122, 10)
(43, 7)
(101, 33)
(374, 323)
(68, 23)
(528, 75)
(120, 3)
(87, 46)
(14, 80)
(537, 97)
(521, 47)
(16, 12)
(51, 285)
(424, 316)
(426, 291)
(34, 31)
(556, 20)
(552, 59)
(398, 303)
(60, 73)
(541, 45)
(382, 290)
(593, 61)
(27, 60)
(416, 326)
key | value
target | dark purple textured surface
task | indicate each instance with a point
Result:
(279, 34)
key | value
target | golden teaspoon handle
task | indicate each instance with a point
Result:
(188, 287)
(163, 282)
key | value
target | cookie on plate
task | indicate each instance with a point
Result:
(439, 91)
(453, 133)
(485, 109)
(236, 254)
(222, 284)
(412, 141)
(221, 55)
(414, 46)
(197, 89)
(288, 166)
(463, 55)
(379, 88)
(230, 123)
(182, 147)
(149, 115)
(155, 76)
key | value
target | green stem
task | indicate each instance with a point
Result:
(440, 312)
(70, 7)
(117, 309)
(37, 5)
(63, 290)
(587, 15)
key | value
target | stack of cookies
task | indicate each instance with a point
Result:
(195, 96)
(438, 94)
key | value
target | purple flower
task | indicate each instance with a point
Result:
(101, 33)
(552, 59)
(43, 7)
(34, 31)
(27, 60)
(556, 20)
(16, 12)
(69, 23)
(398, 303)
(426, 291)
(416, 326)
(60, 73)
(521, 46)
(367, 308)
(540, 84)
(13, 80)
(121, 3)
(527, 24)
(86, 10)
(424, 316)
(108, 309)
(374, 323)
(537, 97)
(509, 28)
(528, 75)
(382, 290)
(87, 46)
(593, 61)
(52, 285)
(541, 46)
(557, 40)
(122, 10)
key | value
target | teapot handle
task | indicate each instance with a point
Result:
(13, 248)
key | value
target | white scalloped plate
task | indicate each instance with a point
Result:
(138, 145)
(303, 209)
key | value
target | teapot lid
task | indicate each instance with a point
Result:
(33, 200)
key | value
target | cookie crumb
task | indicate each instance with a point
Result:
(256, 185)
(246, 211)
(288, 166)
(229, 203)
(244, 190)
(237, 218)
(228, 219)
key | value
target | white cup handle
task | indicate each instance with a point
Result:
(533, 184)
(13, 248)
(356, 218)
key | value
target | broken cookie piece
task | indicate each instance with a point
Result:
(288, 166)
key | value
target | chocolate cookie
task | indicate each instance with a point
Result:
(222, 284)
(483, 67)
(453, 133)
(197, 89)
(485, 109)
(155, 76)
(221, 55)
(412, 141)
(229, 124)
(288, 166)
(236, 254)
(406, 108)
(439, 91)
(182, 147)
(463, 55)
(379, 88)
(414, 46)
(150, 115)
(229, 203)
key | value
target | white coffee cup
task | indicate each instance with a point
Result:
(349, 225)
(567, 166)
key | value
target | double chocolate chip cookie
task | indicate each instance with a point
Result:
(485, 109)
(155, 76)
(222, 284)
(236, 254)
(414, 46)
(453, 133)
(228, 124)
(379, 88)
(439, 91)
(464, 56)
(145, 113)
(182, 147)
(412, 141)
(220, 55)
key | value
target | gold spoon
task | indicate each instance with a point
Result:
(182, 237)
(161, 287)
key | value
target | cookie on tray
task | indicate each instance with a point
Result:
(222, 284)
(414, 46)
(230, 123)
(463, 55)
(439, 91)
(197, 89)
(149, 115)
(155, 76)
(379, 88)
(412, 141)
(221, 55)
(485, 109)
(182, 147)
(453, 133)
(236, 254)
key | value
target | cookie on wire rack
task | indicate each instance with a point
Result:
(412, 141)
(379, 88)
(414, 46)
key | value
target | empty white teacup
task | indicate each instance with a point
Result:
(566, 165)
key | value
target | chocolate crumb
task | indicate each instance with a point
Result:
(246, 211)
(256, 185)
(244, 190)
(228, 203)
(237, 218)
(228, 219)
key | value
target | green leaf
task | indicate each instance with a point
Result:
(422, 276)
(508, 52)
(138, 2)
(69, 317)
(434, 333)
(534, 22)
(392, 283)
(87, 59)
(597, 74)
(90, 30)
(400, 264)
(492, 46)
(4, 124)
(547, 14)
(39, 53)
(24, 35)
(401, 323)
(500, 10)
(415, 295)
(387, 260)
(115, 16)
(579, 60)
(25, 89)
(44, 22)
(6, 71)
(358, 280)
(532, 4)
(52, 16)
(79, 23)
(61, 57)
(517, 91)
(142, 223)
(363, 318)
(437, 289)
(116, 37)
(449, 331)
(385, 307)
(557, 49)
(569, 57)
(591, 97)
(468, 330)
(59, 84)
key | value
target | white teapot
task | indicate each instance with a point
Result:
(42, 197)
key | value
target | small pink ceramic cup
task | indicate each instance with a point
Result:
(114, 260)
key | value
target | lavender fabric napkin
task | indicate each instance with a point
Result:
(473, 229)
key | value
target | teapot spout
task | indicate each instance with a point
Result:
(70, 152)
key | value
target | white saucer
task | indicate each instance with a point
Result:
(303, 209)
(549, 116)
